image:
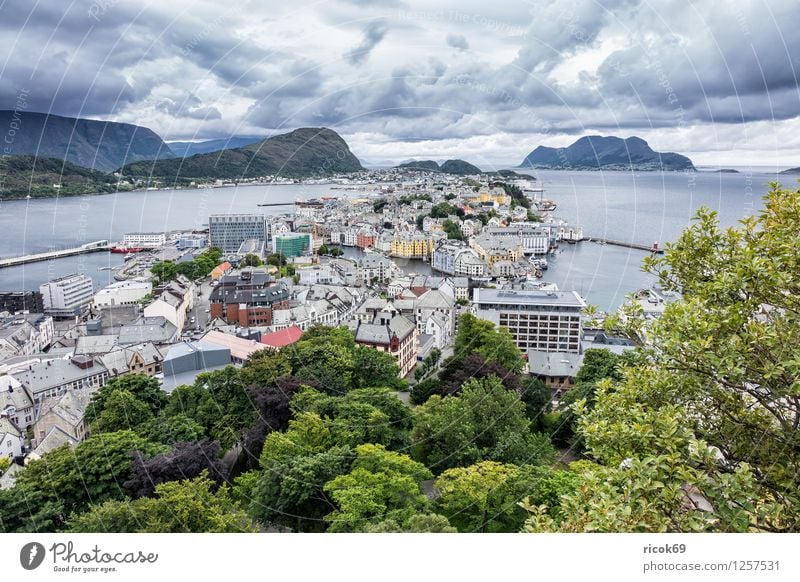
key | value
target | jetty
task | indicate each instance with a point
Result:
(654, 248)
(92, 247)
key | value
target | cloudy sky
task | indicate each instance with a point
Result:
(482, 80)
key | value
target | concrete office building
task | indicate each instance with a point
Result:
(229, 231)
(67, 295)
(546, 321)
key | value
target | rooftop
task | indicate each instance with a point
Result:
(241, 349)
(283, 337)
(531, 297)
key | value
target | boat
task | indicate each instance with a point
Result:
(126, 250)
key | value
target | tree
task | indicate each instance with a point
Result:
(169, 430)
(164, 271)
(185, 461)
(538, 400)
(484, 422)
(480, 498)
(494, 345)
(185, 506)
(251, 260)
(323, 250)
(143, 388)
(276, 260)
(264, 368)
(419, 221)
(336, 252)
(419, 523)
(701, 432)
(452, 230)
(381, 485)
(121, 410)
(226, 408)
(372, 367)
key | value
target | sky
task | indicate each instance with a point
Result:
(486, 81)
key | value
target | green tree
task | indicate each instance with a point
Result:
(480, 498)
(251, 260)
(190, 506)
(381, 485)
(164, 271)
(452, 230)
(481, 337)
(169, 430)
(143, 388)
(323, 250)
(122, 410)
(372, 367)
(484, 422)
(264, 368)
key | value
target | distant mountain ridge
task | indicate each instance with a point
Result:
(39, 177)
(304, 152)
(185, 149)
(98, 145)
(456, 167)
(790, 172)
(600, 152)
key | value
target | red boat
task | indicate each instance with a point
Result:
(127, 250)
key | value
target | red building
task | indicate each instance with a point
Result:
(365, 239)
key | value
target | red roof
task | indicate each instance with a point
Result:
(284, 337)
(224, 266)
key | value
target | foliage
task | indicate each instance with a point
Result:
(445, 209)
(185, 506)
(381, 486)
(185, 460)
(452, 230)
(143, 388)
(251, 260)
(418, 523)
(200, 266)
(121, 410)
(485, 422)
(494, 345)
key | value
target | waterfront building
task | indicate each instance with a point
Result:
(547, 321)
(144, 239)
(122, 293)
(412, 245)
(68, 295)
(229, 231)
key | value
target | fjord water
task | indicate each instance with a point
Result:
(638, 207)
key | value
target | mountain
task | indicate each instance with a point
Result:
(613, 153)
(99, 145)
(44, 177)
(790, 172)
(309, 151)
(184, 149)
(456, 167)
(427, 165)
(459, 168)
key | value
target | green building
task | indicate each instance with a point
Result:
(293, 244)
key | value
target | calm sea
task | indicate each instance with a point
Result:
(640, 207)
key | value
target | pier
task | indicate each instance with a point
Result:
(277, 204)
(654, 248)
(92, 247)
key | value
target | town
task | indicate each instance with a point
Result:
(397, 262)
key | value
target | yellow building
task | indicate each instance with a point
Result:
(413, 246)
(491, 250)
(499, 197)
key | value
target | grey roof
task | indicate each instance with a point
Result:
(8, 427)
(381, 333)
(55, 438)
(147, 329)
(118, 360)
(434, 299)
(13, 394)
(95, 344)
(532, 297)
(70, 406)
(54, 373)
(554, 363)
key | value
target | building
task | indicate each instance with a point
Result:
(64, 414)
(293, 244)
(14, 301)
(248, 298)
(123, 293)
(374, 267)
(186, 360)
(365, 238)
(144, 239)
(492, 249)
(68, 295)
(11, 441)
(50, 378)
(25, 334)
(157, 330)
(439, 304)
(456, 258)
(280, 339)
(532, 237)
(172, 300)
(138, 359)
(547, 321)
(240, 348)
(16, 403)
(220, 270)
(324, 274)
(412, 245)
(192, 241)
(229, 231)
(556, 369)
(396, 335)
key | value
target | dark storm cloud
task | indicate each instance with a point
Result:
(373, 35)
(204, 68)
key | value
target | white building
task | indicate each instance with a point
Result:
(10, 439)
(145, 239)
(546, 321)
(122, 293)
(66, 295)
(172, 301)
(16, 403)
(25, 334)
